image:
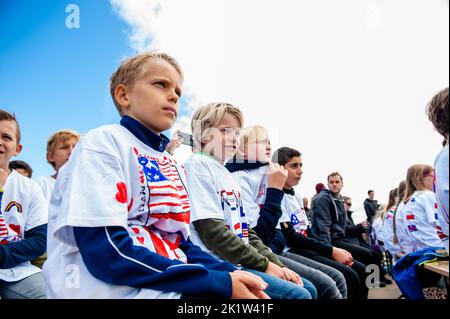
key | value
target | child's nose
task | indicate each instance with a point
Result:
(173, 97)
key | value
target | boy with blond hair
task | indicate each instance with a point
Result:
(59, 147)
(220, 225)
(120, 212)
(23, 221)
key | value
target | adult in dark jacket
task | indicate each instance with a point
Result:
(329, 224)
(354, 232)
(370, 206)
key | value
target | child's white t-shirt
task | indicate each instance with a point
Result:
(294, 212)
(23, 208)
(113, 179)
(253, 184)
(388, 232)
(421, 220)
(214, 194)
(377, 227)
(442, 196)
(46, 183)
(404, 239)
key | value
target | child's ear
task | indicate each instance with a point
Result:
(49, 157)
(18, 149)
(121, 96)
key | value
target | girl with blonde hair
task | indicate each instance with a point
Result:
(421, 208)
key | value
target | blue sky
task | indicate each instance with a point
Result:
(53, 77)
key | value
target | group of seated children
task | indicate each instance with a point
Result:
(410, 221)
(123, 219)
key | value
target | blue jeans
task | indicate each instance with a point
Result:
(283, 289)
(330, 283)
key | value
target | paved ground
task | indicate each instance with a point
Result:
(388, 292)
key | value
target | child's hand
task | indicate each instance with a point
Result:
(292, 276)
(277, 176)
(174, 143)
(3, 177)
(275, 270)
(246, 285)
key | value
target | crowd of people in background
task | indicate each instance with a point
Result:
(225, 224)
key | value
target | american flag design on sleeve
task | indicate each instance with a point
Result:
(300, 221)
(233, 211)
(164, 223)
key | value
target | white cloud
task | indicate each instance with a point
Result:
(346, 82)
(143, 17)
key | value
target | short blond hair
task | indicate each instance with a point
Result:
(252, 135)
(209, 116)
(131, 68)
(62, 135)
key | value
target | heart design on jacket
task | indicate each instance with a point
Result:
(121, 195)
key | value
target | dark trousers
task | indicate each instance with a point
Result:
(367, 256)
(355, 276)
